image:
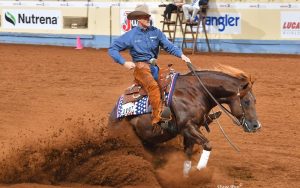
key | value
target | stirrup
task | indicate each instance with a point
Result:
(164, 124)
(166, 116)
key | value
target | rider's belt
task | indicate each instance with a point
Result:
(150, 62)
(141, 64)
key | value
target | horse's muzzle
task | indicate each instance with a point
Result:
(250, 126)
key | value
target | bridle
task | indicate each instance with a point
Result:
(227, 112)
(241, 122)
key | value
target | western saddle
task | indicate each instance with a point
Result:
(136, 92)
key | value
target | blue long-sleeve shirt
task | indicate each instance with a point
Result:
(143, 45)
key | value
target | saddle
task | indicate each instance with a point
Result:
(136, 92)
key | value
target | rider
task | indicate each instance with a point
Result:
(143, 42)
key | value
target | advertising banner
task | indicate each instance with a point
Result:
(290, 24)
(223, 23)
(126, 24)
(31, 19)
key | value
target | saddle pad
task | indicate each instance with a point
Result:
(142, 106)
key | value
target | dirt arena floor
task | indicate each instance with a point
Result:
(54, 105)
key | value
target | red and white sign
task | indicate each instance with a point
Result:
(127, 25)
(290, 25)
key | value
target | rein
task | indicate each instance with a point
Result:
(227, 112)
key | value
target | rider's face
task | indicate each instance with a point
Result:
(144, 21)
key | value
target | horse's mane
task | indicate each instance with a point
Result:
(231, 71)
(234, 72)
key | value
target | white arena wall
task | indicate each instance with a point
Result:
(250, 26)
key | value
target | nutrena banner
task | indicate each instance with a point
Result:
(31, 19)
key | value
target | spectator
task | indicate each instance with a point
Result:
(172, 7)
(194, 8)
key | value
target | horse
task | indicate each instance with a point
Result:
(191, 104)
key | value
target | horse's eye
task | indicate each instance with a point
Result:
(247, 102)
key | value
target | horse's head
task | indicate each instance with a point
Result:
(242, 106)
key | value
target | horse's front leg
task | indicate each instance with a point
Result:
(199, 138)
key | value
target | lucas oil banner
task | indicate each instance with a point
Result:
(31, 19)
(290, 24)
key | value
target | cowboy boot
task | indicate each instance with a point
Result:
(163, 123)
(166, 116)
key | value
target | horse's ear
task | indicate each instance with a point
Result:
(252, 79)
(249, 84)
(245, 86)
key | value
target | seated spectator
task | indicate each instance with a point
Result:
(171, 7)
(194, 8)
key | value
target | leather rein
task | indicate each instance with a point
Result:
(227, 112)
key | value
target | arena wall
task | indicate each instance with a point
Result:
(251, 26)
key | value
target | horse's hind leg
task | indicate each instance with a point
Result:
(122, 131)
(188, 150)
(188, 143)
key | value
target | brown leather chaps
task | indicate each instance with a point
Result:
(142, 75)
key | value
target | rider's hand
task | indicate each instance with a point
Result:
(184, 58)
(129, 65)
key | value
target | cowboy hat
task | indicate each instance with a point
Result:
(139, 11)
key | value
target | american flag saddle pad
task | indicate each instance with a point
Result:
(142, 106)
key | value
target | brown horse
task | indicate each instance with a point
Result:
(191, 103)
